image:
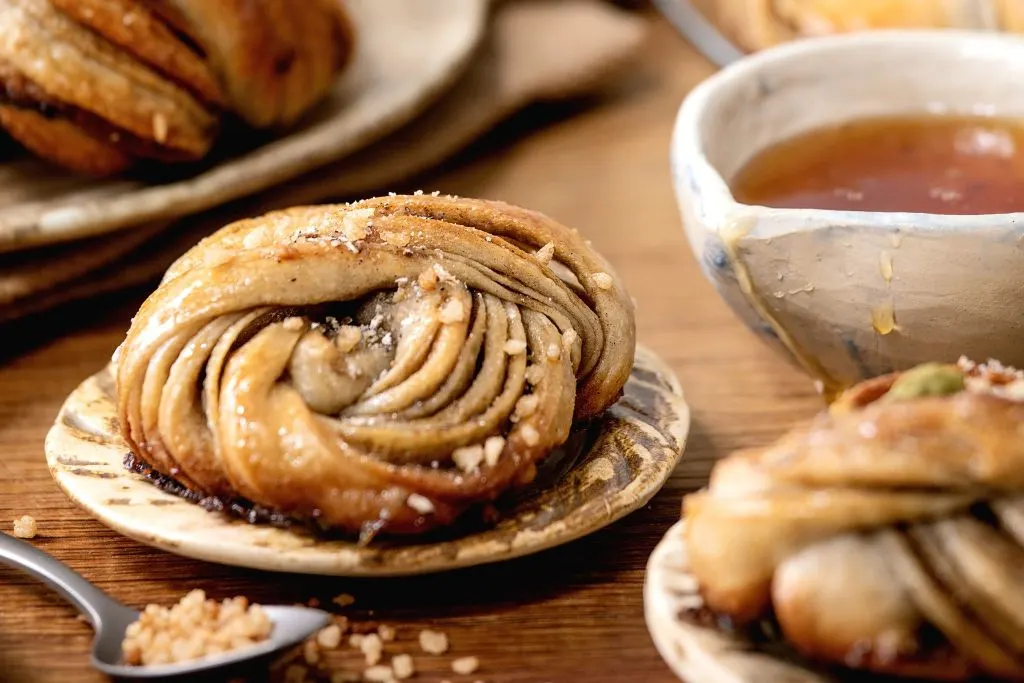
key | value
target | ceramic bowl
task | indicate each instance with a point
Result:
(848, 295)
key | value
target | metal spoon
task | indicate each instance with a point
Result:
(700, 32)
(109, 619)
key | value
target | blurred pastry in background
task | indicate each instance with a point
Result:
(757, 24)
(96, 85)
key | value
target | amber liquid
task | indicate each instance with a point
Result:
(929, 164)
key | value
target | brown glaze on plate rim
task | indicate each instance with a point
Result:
(632, 451)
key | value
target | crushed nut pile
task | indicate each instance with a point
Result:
(193, 628)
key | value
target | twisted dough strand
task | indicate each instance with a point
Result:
(883, 535)
(385, 363)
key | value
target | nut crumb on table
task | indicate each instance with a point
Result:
(465, 665)
(433, 642)
(25, 527)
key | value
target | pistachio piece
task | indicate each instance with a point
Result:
(929, 379)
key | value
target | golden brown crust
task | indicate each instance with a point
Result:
(275, 58)
(148, 78)
(875, 524)
(383, 364)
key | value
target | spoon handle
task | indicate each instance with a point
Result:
(700, 32)
(90, 600)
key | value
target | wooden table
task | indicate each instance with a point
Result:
(571, 614)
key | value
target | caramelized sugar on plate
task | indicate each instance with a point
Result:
(927, 164)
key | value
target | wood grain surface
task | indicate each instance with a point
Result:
(570, 614)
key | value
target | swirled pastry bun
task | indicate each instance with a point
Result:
(385, 363)
(95, 85)
(888, 534)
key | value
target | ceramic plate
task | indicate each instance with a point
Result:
(695, 649)
(407, 54)
(616, 466)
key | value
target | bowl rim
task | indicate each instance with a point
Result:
(691, 167)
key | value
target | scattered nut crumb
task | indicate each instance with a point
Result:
(453, 312)
(372, 648)
(194, 628)
(25, 527)
(311, 652)
(465, 665)
(329, 638)
(531, 437)
(295, 673)
(433, 642)
(386, 633)
(554, 352)
(545, 253)
(343, 600)
(355, 640)
(468, 458)
(379, 674)
(402, 666)
(514, 347)
(493, 447)
(420, 504)
(602, 280)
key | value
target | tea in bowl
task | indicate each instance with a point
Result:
(857, 199)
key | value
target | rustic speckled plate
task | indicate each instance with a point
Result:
(695, 649)
(407, 55)
(617, 465)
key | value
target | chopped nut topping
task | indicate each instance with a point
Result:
(420, 504)
(465, 665)
(294, 324)
(531, 437)
(194, 628)
(602, 280)
(372, 648)
(526, 406)
(329, 638)
(569, 338)
(25, 527)
(545, 253)
(493, 447)
(433, 642)
(554, 352)
(395, 239)
(403, 666)
(514, 347)
(453, 312)
(468, 458)
(355, 640)
(386, 633)
(355, 223)
(428, 280)
(160, 128)
(534, 374)
(440, 271)
(343, 600)
(348, 338)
